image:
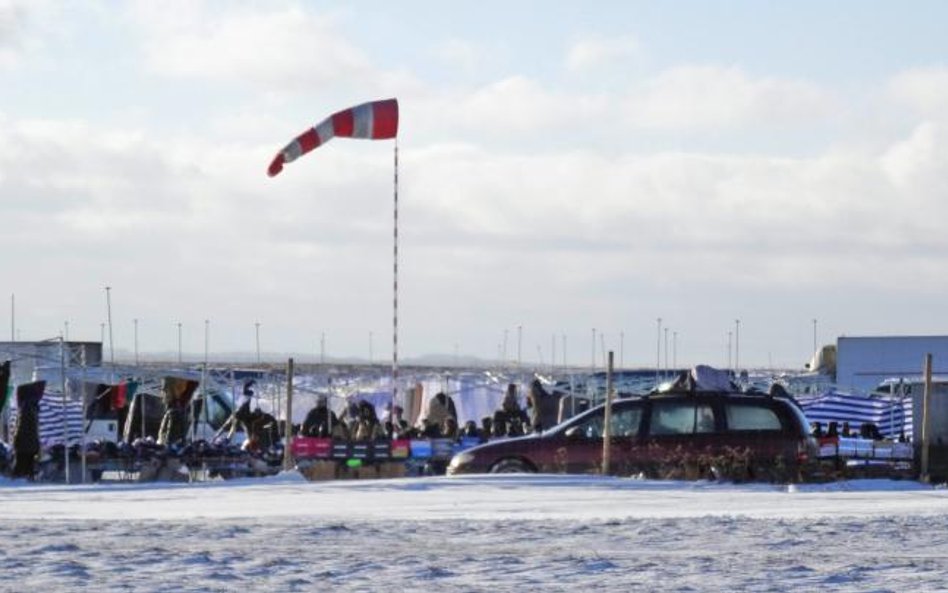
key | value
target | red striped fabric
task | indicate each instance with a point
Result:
(377, 120)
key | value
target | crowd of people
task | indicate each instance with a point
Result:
(359, 421)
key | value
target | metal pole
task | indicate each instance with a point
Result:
(666, 352)
(503, 355)
(552, 354)
(207, 339)
(394, 287)
(62, 368)
(607, 423)
(814, 340)
(82, 398)
(288, 429)
(729, 359)
(592, 365)
(602, 347)
(257, 327)
(136, 341)
(108, 303)
(565, 363)
(737, 346)
(926, 418)
(658, 351)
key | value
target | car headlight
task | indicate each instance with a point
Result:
(462, 458)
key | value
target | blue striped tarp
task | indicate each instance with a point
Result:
(51, 420)
(892, 416)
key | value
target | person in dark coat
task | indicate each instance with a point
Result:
(510, 419)
(26, 443)
(368, 427)
(322, 422)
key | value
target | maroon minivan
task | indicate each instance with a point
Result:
(733, 436)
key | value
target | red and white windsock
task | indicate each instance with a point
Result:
(377, 120)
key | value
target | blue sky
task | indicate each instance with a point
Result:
(563, 168)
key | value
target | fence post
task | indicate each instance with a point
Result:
(288, 425)
(607, 428)
(926, 421)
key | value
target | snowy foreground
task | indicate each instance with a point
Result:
(481, 533)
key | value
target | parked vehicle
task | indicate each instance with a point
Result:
(690, 435)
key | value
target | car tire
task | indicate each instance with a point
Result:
(511, 466)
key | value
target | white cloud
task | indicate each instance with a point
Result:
(283, 48)
(924, 90)
(918, 166)
(595, 52)
(716, 97)
(23, 24)
(460, 55)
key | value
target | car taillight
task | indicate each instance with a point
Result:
(806, 448)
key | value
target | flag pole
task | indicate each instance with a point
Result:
(391, 414)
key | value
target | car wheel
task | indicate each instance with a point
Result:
(511, 466)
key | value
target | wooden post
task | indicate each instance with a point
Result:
(288, 429)
(607, 422)
(926, 430)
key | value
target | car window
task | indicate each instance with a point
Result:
(626, 421)
(670, 418)
(751, 417)
(590, 427)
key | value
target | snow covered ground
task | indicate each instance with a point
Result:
(478, 533)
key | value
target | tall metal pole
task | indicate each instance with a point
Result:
(737, 346)
(592, 368)
(108, 304)
(552, 354)
(729, 359)
(658, 351)
(207, 339)
(503, 355)
(394, 286)
(602, 347)
(257, 329)
(565, 363)
(666, 352)
(814, 339)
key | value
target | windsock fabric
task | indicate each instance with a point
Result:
(377, 120)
